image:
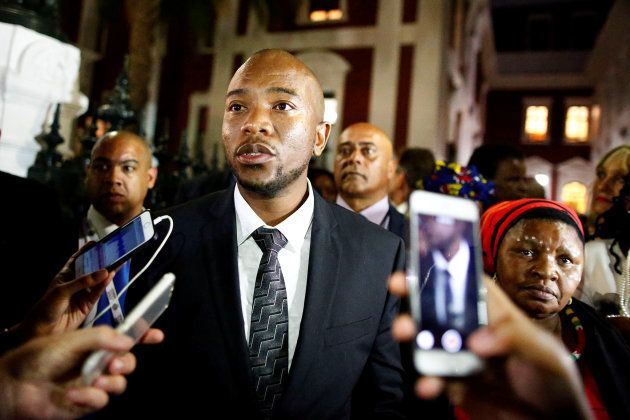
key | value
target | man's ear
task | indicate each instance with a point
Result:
(152, 173)
(321, 137)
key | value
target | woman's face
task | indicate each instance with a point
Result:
(539, 265)
(608, 182)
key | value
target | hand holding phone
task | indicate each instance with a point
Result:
(136, 324)
(444, 282)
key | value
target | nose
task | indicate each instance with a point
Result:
(114, 175)
(257, 121)
(355, 157)
(606, 184)
(546, 267)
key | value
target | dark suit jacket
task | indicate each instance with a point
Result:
(344, 335)
(34, 245)
(428, 279)
(397, 223)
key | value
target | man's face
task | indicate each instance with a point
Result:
(119, 177)
(272, 123)
(363, 163)
(443, 234)
(510, 182)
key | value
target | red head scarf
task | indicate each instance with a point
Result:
(498, 220)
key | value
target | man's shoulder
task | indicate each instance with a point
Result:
(357, 226)
(210, 204)
(23, 186)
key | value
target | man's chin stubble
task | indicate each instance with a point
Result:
(272, 188)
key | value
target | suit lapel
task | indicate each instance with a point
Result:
(220, 254)
(323, 266)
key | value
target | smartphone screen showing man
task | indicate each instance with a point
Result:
(443, 278)
(448, 283)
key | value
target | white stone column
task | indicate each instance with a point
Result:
(386, 61)
(426, 113)
(36, 73)
(225, 33)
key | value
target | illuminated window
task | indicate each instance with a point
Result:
(576, 124)
(574, 195)
(325, 10)
(536, 123)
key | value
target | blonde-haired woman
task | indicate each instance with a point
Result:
(610, 173)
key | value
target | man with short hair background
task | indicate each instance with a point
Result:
(118, 178)
(413, 165)
(504, 165)
(364, 168)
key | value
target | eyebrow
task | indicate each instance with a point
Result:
(278, 89)
(361, 143)
(120, 162)
(235, 92)
(283, 90)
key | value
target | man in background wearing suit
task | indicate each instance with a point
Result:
(120, 174)
(320, 271)
(364, 167)
(447, 275)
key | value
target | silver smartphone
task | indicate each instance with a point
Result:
(444, 279)
(135, 325)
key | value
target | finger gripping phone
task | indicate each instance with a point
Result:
(443, 277)
(135, 325)
(117, 246)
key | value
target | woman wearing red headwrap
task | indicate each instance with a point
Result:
(534, 248)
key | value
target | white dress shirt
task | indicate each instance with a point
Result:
(95, 227)
(293, 260)
(457, 267)
(376, 213)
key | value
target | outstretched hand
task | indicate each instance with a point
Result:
(528, 374)
(40, 379)
(67, 302)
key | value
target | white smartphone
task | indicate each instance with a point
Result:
(116, 247)
(135, 325)
(444, 279)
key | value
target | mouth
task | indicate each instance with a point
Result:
(114, 197)
(351, 175)
(603, 199)
(541, 292)
(254, 154)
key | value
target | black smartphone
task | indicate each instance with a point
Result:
(116, 247)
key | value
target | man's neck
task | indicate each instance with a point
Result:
(449, 252)
(359, 204)
(275, 209)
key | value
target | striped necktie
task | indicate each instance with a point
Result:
(269, 329)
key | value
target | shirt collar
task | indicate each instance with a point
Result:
(458, 265)
(99, 223)
(294, 227)
(376, 213)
